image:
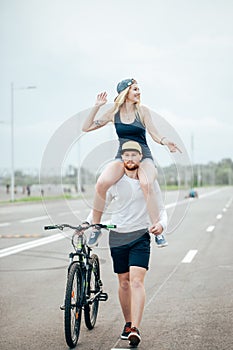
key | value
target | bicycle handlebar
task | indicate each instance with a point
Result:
(79, 227)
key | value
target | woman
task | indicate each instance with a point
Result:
(131, 121)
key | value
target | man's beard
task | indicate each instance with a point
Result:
(131, 166)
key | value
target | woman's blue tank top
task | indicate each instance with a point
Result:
(134, 131)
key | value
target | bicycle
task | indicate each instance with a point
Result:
(84, 288)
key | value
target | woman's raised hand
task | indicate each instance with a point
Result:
(101, 99)
(172, 147)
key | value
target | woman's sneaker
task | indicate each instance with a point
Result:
(134, 337)
(161, 241)
(93, 238)
(126, 331)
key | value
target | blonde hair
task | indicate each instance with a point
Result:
(120, 100)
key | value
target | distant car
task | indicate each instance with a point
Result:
(192, 194)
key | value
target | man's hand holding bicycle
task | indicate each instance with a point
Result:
(156, 229)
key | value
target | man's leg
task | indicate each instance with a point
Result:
(137, 276)
(124, 293)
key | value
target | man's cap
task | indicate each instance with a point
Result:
(124, 84)
(131, 146)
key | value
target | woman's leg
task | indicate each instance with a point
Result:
(147, 175)
(111, 174)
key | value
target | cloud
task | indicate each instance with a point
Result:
(205, 123)
(180, 53)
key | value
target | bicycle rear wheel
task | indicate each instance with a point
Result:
(73, 305)
(93, 287)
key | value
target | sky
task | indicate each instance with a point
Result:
(179, 51)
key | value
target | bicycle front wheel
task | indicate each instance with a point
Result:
(73, 305)
(93, 287)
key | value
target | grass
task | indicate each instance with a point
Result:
(173, 187)
(40, 198)
(69, 196)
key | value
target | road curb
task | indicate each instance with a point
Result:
(36, 235)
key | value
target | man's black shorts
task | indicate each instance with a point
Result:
(134, 253)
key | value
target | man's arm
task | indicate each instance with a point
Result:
(161, 226)
(109, 198)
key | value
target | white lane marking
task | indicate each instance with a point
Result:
(38, 218)
(219, 216)
(156, 293)
(210, 228)
(4, 224)
(210, 193)
(227, 267)
(224, 210)
(65, 213)
(171, 205)
(24, 246)
(175, 268)
(69, 212)
(11, 250)
(189, 256)
(191, 199)
(229, 203)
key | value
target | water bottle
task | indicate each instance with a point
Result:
(79, 243)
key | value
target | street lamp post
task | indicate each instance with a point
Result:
(12, 137)
(12, 145)
(79, 175)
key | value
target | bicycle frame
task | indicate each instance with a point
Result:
(83, 261)
(84, 288)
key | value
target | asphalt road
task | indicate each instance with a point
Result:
(189, 285)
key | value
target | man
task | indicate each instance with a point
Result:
(130, 244)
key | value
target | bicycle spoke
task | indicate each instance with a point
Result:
(91, 310)
(73, 309)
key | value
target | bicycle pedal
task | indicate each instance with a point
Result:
(100, 283)
(103, 296)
